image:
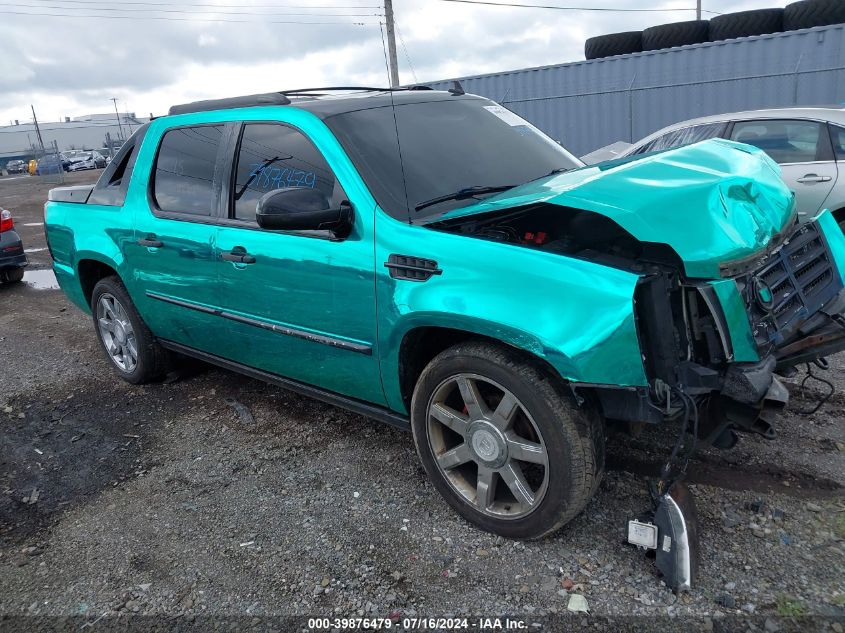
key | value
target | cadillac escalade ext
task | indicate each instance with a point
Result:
(432, 260)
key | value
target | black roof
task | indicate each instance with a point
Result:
(324, 102)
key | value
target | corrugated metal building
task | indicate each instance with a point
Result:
(590, 104)
(85, 132)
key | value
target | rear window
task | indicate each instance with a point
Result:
(110, 189)
(685, 136)
(184, 170)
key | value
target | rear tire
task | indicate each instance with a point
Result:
(503, 442)
(126, 340)
(12, 276)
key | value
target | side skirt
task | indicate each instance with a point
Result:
(351, 404)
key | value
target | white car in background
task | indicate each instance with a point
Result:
(807, 143)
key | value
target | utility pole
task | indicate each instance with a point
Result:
(37, 129)
(119, 126)
(391, 43)
(698, 9)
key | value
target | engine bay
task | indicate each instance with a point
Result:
(567, 231)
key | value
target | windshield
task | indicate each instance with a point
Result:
(447, 147)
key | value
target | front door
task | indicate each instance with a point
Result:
(174, 254)
(304, 306)
(803, 151)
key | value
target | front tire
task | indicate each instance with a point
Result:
(126, 340)
(503, 442)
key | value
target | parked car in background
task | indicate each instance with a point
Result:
(433, 260)
(16, 167)
(807, 143)
(49, 164)
(87, 159)
(12, 258)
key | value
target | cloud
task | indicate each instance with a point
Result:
(72, 66)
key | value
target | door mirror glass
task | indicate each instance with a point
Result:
(303, 209)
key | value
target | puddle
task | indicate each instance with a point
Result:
(43, 279)
(33, 250)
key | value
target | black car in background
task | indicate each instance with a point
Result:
(16, 167)
(12, 258)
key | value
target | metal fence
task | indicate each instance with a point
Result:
(590, 104)
(50, 164)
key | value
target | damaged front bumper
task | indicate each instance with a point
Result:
(723, 342)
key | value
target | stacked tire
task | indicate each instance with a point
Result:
(676, 34)
(806, 14)
(803, 14)
(746, 24)
(613, 44)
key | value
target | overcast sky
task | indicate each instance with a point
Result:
(70, 64)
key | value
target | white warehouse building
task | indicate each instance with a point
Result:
(18, 140)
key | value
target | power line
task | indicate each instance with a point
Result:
(176, 19)
(405, 48)
(223, 6)
(545, 6)
(133, 10)
(384, 48)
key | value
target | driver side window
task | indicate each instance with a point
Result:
(275, 156)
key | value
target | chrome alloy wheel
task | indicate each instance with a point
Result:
(487, 446)
(117, 333)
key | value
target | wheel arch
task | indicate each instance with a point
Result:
(89, 270)
(421, 343)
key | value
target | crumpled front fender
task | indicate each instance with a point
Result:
(576, 315)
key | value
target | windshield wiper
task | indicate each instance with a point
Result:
(462, 194)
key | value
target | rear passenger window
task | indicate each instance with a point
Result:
(184, 170)
(274, 156)
(785, 141)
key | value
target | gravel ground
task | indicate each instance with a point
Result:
(162, 500)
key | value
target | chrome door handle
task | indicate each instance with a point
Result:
(151, 241)
(814, 178)
(237, 257)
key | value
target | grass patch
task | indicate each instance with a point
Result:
(839, 525)
(789, 607)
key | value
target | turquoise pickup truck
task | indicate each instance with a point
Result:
(432, 260)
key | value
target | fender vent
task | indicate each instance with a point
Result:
(411, 268)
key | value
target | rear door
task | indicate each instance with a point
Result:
(802, 149)
(305, 306)
(174, 255)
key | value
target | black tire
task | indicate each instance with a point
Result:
(809, 13)
(573, 436)
(613, 44)
(746, 24)
(152, 359)
(675, 34)
(11, 276)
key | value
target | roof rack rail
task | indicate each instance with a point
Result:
(297, 91)
(274, 98)
(269, 98)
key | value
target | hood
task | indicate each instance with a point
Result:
(712, 202)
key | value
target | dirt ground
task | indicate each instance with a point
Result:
(162, 500)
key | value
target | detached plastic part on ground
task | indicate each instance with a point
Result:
(670, 530)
